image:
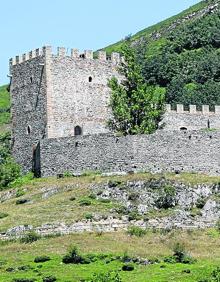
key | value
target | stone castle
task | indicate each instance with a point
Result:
(60, 109)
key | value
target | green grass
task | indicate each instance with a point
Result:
(199, 244)
(157, 27)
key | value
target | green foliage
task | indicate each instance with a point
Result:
(106, 277)
(214, 277)
(136, 231)
(180, 255)
(128, 267)
(50, 278)
(23, 280)
(137, 107)
(3, 215)
(85, 202)
(166, 198)
(187, 64)
(73, 256)
(41, 259)
(9, 171)
(30, 237)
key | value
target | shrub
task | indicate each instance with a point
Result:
(105, 201)
(3, 215)
(166, 199)
(19, 193)
(92, 196)
(106, 277)
(180, 254)
(41, 259)
(50, 278)
(9, 171)
(85, 202)
(21, 201)
(136, 231)
(30, 237)
(133, 215)
(73, 256)
(201, 203)
(127, 267)
(133, 196)
(23, 280)
(72, 198)
(114, 183)
(89, 216)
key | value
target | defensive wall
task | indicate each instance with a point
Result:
(163, 151)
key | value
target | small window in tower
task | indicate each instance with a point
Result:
(183, 129)
(90, 79)
(31, 79)
(82, 56)
(28, 130)
(77, 130)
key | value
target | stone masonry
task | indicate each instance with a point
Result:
(56, 97)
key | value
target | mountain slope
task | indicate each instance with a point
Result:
(182, 54)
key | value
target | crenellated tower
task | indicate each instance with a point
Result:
(57, 95)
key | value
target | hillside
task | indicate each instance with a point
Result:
(182, 55)
(44, 217)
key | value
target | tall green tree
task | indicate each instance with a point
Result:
(137, 107)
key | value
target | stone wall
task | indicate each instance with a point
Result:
(28, 97)
(192, 119)
(164, 151)
(79, 94)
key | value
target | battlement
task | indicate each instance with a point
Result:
(193, 110)
(115, 58)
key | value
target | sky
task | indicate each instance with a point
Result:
(28, 24)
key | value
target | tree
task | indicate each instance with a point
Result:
(137, 107)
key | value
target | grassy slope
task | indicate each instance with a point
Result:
(203, 245)
(157, 27)
(59, 208)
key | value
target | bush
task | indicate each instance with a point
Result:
(30, 237)
(21, 201)
(180, 254)
(133, 215)
(105, 201)
(114, 183)
(50, 278)
(106, 277)
(73, 256)
(201, 203)
(166, 199)
(92, 196)
(19, 193)
(9, 171)
(3, 215)
(72, 198)
(89, 216)
(41, 259)
(127, 267)
(136, 231)
(133, 196)
(85, 202)
(23, 280)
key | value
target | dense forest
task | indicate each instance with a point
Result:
(184, 60)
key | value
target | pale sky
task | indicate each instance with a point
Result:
(28, 24)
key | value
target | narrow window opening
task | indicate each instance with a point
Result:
(82, 56)
(28, 130)
(90, 79)
(208, 124)
(31, 79)
(77, 130)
